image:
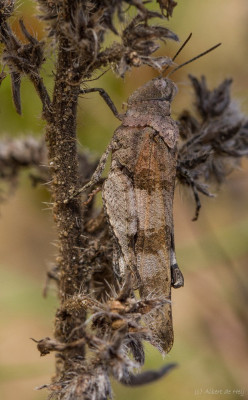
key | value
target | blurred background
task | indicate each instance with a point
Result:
(210, 312)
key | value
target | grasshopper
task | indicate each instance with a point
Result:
(138, 198)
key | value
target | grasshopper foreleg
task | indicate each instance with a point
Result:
(106, 98)
(96, 175)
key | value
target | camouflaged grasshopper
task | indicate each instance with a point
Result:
(138, 198)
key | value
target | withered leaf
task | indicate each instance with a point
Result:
(16, 87)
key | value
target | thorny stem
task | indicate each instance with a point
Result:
(63, 160)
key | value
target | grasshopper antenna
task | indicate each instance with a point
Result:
(179, 51)
(193, 59)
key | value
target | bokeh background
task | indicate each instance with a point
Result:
(210, 312)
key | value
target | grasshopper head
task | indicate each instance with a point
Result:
(149, 106)
(156, 90)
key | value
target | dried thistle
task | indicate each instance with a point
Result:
(117, 333)
(6, 10)
(212, 144)
(99, 326)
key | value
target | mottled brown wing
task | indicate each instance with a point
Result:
(119, 202)
(154, 233)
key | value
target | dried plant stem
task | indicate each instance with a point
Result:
(63, 161)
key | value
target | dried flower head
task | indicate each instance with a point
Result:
(212, 144)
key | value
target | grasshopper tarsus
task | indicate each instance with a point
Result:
(184, 174)
(197, 202)
(147, 377)
(177, 279)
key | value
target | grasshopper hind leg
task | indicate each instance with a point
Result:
(177, 279)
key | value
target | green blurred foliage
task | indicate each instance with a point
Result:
(210, 314)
